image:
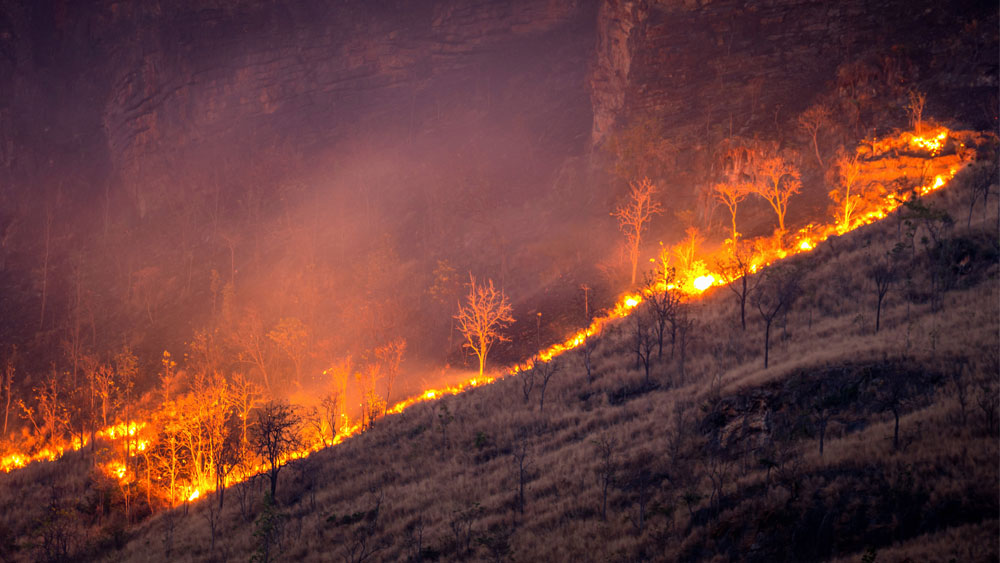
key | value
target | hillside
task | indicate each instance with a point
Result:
(713, 459)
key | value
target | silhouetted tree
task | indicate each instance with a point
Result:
(775, 293)
(663, 298)
(882, 273)
(605, 470)
(546, 370)
(276, 434)
(736, 269)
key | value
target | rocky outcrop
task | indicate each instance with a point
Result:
(695, 63)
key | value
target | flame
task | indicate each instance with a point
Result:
(693, 281)
(701, 283)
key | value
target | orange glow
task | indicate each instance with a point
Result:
(693, 277)
(701, 283)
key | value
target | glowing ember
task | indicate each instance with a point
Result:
(805, 245)
(194, 495)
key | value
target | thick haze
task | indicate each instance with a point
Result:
(348, 167)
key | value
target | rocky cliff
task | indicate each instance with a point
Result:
(701, 63)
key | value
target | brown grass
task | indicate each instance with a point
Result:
(692, 451)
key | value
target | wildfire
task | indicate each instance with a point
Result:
(692, 281)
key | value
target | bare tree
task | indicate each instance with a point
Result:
(634, 215)
(276, 435)
(775, 293)
(547, 370)
(390, 355)
(662, 298)
(481, 319)
(252, 344)
(737, 269)
(777, 181)
(605, 470)
(731, 194)
(589, 344)
(883, 273)
(645, 338)
(811, 122)
(915, 109)
(8, 379)
(291, 336)
(522, 465)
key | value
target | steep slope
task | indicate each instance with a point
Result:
(714, 457)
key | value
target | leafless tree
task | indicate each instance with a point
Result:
(645, 338)
(390, 355)
(663, 301)
(8, 379)
(522, 465)
(882, 273)
(634, 215)
(915, 109)
(811, 122)
(546, 370)
(605, 470)
(276, 434)
(777, 180)
(775, 293)
(481, 319)
(731, 194)
(737, 269)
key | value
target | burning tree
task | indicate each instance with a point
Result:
(634, 215)
(852, 195)
(486, 312)
(390, 355)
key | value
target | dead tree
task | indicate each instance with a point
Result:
(645, 340)
(486, 312)
(883, 274)
(547, 369)
(522, 465)
(605, 470)
(634, 215)
(662, 301)
(736, 270)
(775, 293)
(276, 436)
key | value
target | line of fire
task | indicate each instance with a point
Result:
(224, 431)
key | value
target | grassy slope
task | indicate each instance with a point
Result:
(725, 463)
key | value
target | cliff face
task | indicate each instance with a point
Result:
(692, 63)
(196, 83)
(157, 83)
(311, 75)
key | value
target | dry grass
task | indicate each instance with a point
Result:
(723, 465)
